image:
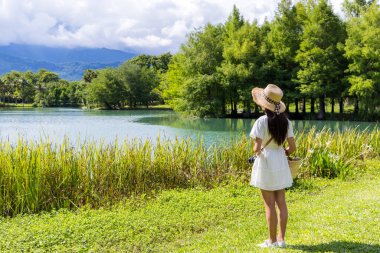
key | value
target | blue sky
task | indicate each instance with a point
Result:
(144, 26)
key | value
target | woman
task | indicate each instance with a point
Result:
(270, 170)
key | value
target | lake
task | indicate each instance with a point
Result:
(80, 125)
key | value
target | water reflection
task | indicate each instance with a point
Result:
(335, 126)
(245, 125)
(199, 124)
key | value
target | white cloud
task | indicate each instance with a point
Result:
(177, 29)
(149, 41)
(153, 26)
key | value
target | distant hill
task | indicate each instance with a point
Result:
(68, 63)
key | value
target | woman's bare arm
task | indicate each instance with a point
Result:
(257, 146)
(292, 146)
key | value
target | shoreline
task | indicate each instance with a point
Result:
(241, 115)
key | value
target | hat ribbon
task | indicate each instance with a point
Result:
(277, 105)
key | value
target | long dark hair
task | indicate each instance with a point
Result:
(278, 126)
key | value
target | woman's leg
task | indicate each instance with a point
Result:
(271, 216)
(282, 213)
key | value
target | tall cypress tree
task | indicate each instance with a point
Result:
(363, 52)
(230, 70)
(240, 65)
(319, 55)
(193, 84)
(284, 38)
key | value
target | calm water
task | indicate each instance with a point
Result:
(106, 126)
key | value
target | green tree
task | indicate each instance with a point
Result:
(7, 87)
(353, 8)
(158, 65)
(140, 84)
(74, 94)
(89, 75)
(362, 49)
(29, 91)
(44, 78)
(63, 93)
(161, 62)
(193, 84)
(52, 94)
(241, 63)
(235, 48)
(284, 38)
(10, 80)
(173, 90)
(142, 60)
(17, 87)
(319, 55)
(107, 89)
(2, 90)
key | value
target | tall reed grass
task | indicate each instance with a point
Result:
(335, 154)
(36, 176)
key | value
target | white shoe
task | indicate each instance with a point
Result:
(267, 244)
(281, 244)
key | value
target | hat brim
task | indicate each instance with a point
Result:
(258, 97)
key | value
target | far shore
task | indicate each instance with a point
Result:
(349, 116)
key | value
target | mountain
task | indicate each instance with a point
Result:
(68, 63)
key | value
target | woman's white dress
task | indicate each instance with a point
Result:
(270, 171)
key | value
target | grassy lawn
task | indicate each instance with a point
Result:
(325, 216)
(16, 105)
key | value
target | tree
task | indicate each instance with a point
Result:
(161, 62)
(172, 83)
(353, 8)
(362, 49)
(193, 84)
(29, 90)
(284, 38)
(140, 84)
(53, 94)
(89, 75)
(319, 55)
(142, 60)
(241, 62)
(158, 63)
(107, 89)
(74, 94)
(233, 71)
(6, 87)
(17, 87)
(2, 90)
(158, 66)
(44, 77)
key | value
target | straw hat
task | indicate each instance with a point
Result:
(269, 98)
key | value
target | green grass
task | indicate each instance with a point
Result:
(42, 176)
(325, 216)
(27, 105)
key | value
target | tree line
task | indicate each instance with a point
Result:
(134, 83)
(43, 88)
(310, 52)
